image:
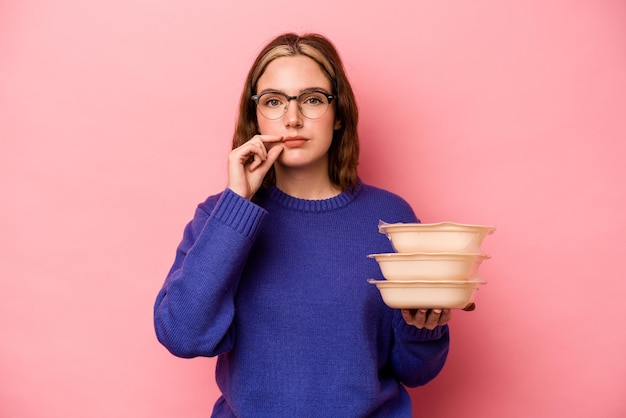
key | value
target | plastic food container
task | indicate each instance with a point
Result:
(435, 237)
(427, 294)
(429, 266)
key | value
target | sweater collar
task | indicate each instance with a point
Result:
(278, 196)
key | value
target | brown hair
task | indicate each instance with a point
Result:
(344, 150)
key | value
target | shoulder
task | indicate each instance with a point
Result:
(376, 193)
(391, 205)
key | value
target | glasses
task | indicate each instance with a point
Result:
(313, 104)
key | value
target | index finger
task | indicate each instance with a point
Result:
(270, 138)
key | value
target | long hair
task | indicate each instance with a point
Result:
(343, 153)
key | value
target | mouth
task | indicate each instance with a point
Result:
(294, 141)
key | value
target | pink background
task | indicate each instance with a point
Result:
(115, 121)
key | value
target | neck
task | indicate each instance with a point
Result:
(304, 184)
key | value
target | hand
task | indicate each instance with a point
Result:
(248, 164)
(426, 318)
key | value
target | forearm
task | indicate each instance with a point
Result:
(194, 310)
(418, 355)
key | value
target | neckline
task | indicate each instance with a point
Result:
(305, 205)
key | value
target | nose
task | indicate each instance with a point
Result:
(293, 117)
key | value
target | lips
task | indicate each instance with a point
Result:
(294, 141)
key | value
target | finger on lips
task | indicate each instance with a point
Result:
(270, 138)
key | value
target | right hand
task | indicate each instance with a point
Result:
(248, 164)
(426, 318)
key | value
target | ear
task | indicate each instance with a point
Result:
(337, 124)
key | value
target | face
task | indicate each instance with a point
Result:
(306, 141)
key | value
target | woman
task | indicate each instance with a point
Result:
(271, 274)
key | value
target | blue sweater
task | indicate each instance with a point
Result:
(278, 290)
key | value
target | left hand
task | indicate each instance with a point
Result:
(426, 318)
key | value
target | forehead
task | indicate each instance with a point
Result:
(292, 75)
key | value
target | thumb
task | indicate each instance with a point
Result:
(273, 153)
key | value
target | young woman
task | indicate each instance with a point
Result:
(271, 274)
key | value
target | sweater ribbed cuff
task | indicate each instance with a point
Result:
(410, 332)
(238, 213)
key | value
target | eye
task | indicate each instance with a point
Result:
(313, 99)
(272, 100)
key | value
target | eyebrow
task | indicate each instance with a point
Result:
(282, 92)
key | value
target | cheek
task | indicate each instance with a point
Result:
(266, 127)
(331, 126)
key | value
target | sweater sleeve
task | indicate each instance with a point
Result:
(194, 309)
(418, 355)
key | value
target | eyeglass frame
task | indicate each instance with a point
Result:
(289, 98)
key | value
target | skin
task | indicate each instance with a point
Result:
(426, 318)
(297, 147)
